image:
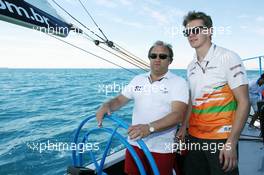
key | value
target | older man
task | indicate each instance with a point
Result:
(160, 102)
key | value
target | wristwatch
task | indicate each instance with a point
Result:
(151, 128)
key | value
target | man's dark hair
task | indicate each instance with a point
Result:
(163, 44)
(193, 15)
(262, 76)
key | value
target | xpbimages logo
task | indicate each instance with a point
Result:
(62, 146)
(212, 147)
(21, 11)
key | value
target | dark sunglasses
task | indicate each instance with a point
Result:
(195, 30)
(162, 56)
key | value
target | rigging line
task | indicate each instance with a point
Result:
(90, 53)
(138, 66)
(129, 61)
(131, 53)
(78, 21)
(143, 63)
(89, 37)
(92, 19)
(133, 59)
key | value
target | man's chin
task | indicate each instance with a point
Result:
(158, 71)
(194, 45)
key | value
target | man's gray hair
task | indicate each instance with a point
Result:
(163, 44)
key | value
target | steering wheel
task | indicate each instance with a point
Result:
(113, 133)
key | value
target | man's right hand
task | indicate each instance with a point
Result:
(182, 132)
(109, 106)
(104, 109)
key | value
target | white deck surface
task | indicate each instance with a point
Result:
(251, 154)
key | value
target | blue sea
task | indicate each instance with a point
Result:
(40, 108)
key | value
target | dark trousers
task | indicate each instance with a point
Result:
(204, 160)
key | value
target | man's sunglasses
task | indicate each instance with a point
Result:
(195, 30)
(162, 56)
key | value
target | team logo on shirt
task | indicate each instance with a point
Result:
(138, 88)
(151, 89)
(192, 73)
(211, 67)
(224, 129)
(164, 90)
(238, 73)
(234, 67)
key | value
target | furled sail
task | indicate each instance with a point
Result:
(34, 14)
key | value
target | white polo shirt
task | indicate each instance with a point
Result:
(152, 101)
(211, 82)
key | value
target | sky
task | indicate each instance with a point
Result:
(135, 25)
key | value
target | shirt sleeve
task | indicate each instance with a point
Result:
(128, 90)
(234, 70)
(180, 91)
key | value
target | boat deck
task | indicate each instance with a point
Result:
(251, 152)
(251, 155)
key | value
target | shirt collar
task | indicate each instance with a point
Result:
(166, 76)
(209, 54)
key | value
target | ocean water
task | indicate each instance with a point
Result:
(41, 108)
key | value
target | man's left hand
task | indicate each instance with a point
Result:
(228, 156)
(139, 131)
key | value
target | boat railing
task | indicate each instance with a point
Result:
(259, 58)
(260, 105)
(77, 158)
